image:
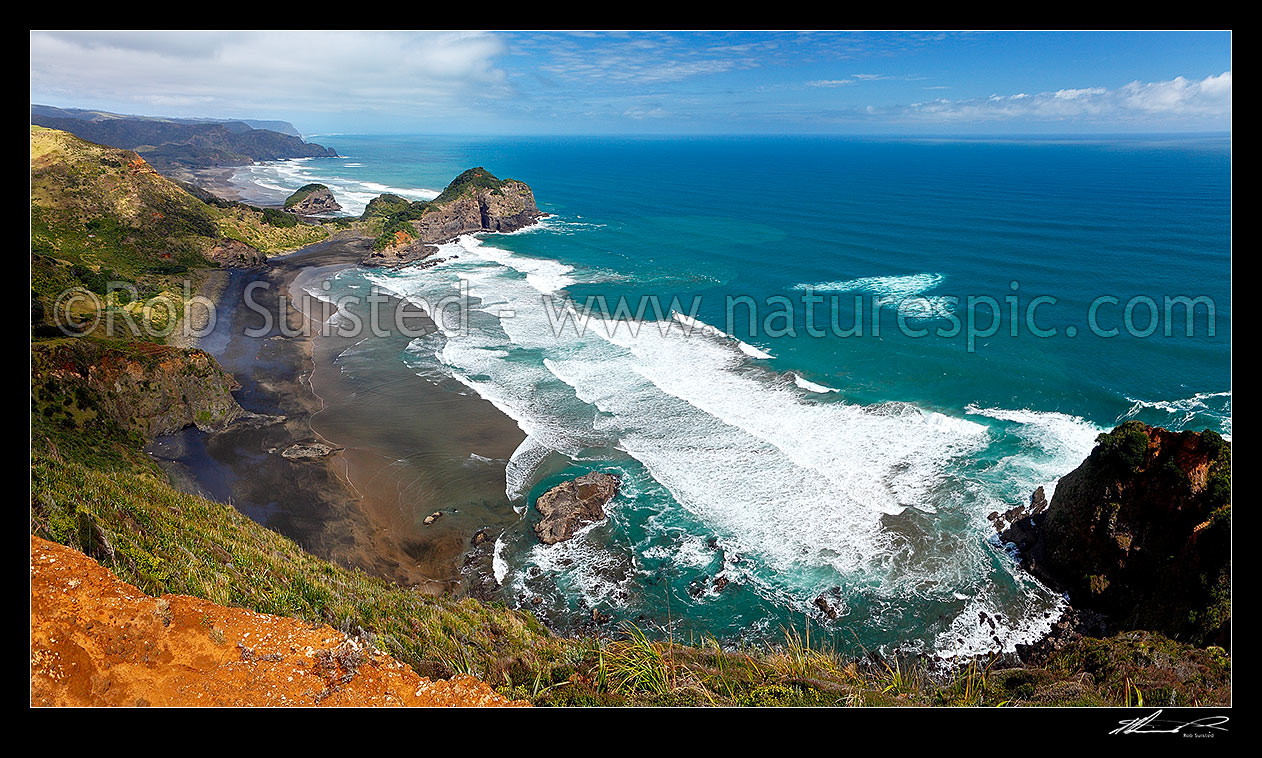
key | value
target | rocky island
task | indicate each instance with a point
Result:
(312, 200)
(572, 505)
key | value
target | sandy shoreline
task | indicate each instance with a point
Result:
(218, 180)
(396, 457)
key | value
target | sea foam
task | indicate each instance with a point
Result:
(281, 178)
(905, 291)
(795, 484)
(810, 386)
(1201, 409)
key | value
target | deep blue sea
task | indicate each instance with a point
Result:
(856, 464)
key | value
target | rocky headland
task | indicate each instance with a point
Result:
(1138, 536)
(312, 200)
(475, 201)
(178, 146)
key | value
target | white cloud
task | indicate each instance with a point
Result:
(643, 113)
(1178, 98)
(543, 81)
(267, 73)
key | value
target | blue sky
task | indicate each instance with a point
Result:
(653, 82)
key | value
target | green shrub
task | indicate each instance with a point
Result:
(273, 217)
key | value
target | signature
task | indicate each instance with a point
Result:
(1150, 724)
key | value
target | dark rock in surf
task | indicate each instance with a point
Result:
(567, 507)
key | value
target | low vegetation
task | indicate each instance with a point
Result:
(269, 231)
(470, 182)
(389, 220)
(302, 193)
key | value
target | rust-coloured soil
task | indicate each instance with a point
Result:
(96, 640)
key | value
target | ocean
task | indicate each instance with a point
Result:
(782, 471)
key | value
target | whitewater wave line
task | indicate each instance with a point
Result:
(687, 410)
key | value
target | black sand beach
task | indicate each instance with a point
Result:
(400, 447)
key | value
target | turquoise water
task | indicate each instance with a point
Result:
(857, 468)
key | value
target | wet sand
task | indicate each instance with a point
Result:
(219, 181)
(402, 444)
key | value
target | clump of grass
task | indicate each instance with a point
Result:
(899, 680)
(637, 664)
(798, 658)
(1132, 696)
(970, 685)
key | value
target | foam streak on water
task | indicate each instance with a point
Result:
(279, 179)
(1203, 409)
(788, 475)
(906, 292)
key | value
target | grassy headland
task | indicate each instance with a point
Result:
(101, 215)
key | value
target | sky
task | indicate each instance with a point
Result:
(487, 82)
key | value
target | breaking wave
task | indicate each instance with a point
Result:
(791, 478)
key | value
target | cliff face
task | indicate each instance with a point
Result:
(230, 253)
(476, 201)
(312, 200)
(1141, 532)
(403, 249)
(140, 388)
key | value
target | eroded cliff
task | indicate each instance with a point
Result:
(1141, 532)
(79, 386)
(475, 201)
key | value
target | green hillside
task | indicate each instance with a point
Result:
(99, 214)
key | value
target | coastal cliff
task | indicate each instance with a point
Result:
(475, 201)
(176, 145)
(83, 384)
(230, 253)
(1140, 532)
(312, 200)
